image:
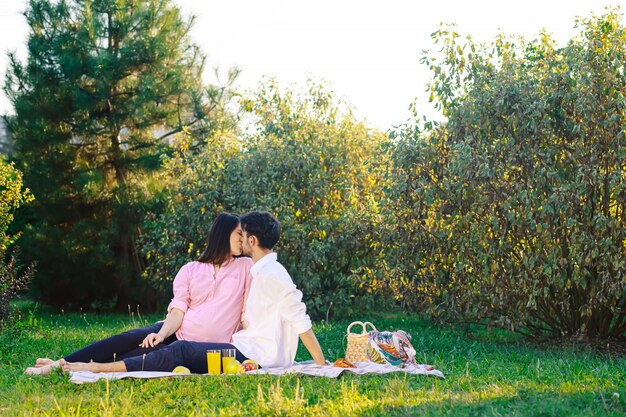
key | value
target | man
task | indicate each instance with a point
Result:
(274, 316)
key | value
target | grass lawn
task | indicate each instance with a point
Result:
(492, 374)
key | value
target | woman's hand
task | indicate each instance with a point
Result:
(171, 323)
(151, 340)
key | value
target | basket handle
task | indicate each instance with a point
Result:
(371, 325)
(364, 325)
(356, 322)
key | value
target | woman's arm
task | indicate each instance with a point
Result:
(313, 346)
(176, 309)
(172, 323)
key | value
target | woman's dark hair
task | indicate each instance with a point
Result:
(218, 242)
(264, 226)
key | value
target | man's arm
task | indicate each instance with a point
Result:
(313, 346)
(171, 324)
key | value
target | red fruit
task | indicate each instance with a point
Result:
(248, 365)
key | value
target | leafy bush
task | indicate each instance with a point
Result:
(517, 205)
(195, 183)
(317, 169)
(12, 196)
(12, 281)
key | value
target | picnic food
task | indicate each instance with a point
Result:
(231, 367)
(343, 363)
(181, 370)
(248, 365)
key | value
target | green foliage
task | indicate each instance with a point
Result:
(12, 279)
(488, 374)
(106, 83)
(315, 168)
(12, 196)
(193, 192)
(517, 205)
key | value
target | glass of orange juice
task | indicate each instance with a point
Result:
(227, 356)
(213, 361)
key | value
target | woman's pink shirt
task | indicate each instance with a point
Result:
(213, 305)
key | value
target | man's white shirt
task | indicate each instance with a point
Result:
(274, 316)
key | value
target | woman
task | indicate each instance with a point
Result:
(274, 318)
(209, 296)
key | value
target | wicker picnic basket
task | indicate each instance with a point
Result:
(356, 351)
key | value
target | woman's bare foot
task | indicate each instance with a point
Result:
(43, 366)
(40, 370)
(46, 361)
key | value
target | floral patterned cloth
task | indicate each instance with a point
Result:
(393, 348)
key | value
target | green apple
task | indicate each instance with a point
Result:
(231, 367)
(181, 370)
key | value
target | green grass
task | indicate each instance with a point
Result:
(492, 374)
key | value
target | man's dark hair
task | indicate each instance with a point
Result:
(263, 226)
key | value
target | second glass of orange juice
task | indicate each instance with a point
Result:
(227, 356)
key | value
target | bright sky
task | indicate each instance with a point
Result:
(367, 50)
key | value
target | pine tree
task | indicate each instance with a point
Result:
(106, 84)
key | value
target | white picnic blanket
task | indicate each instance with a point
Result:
(302, 368)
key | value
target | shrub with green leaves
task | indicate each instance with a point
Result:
(194, 184)
(517, 205)
(12, 195)
(316, 168)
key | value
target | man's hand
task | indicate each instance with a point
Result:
(151, 340)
